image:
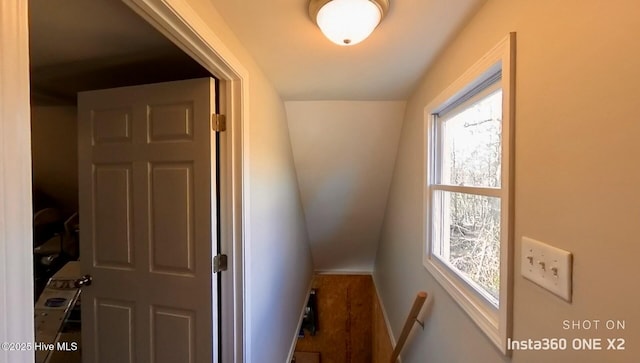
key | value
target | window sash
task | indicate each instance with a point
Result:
(438, 250)
(484, 191)
(491, 84)
(488, 82)
(439, 118)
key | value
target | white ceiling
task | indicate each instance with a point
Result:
(304, 65)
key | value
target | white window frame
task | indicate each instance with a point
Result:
(494, 321)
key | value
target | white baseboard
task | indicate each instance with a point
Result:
(295, 337)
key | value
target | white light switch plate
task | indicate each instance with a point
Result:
(547, 266)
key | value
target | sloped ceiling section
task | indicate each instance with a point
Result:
(344, 153)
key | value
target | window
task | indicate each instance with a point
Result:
(468, 190)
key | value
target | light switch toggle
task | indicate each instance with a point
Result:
(552, 269)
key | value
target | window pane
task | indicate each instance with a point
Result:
(471, 143)
(467, 237)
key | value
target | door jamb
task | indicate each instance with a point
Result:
(16, 216)
(182, 25)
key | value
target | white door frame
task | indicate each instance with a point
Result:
(182, 25)
(16, 247)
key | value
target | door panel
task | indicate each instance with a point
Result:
(112, 239)
(111, 126)
(114, 325)
(171, 123)
(172, 224)
(147, 161)
(173, 335)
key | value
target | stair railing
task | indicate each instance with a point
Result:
(408, 324)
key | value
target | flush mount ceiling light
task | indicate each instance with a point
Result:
(347, 22)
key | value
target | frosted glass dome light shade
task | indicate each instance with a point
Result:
(348, 22)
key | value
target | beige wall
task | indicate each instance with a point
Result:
(54, 145)
(278, 261)
(577, 179)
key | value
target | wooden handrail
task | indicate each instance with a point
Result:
(411, 319)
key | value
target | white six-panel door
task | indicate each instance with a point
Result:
(147, 209)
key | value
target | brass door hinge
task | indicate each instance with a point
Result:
(218, 122)
(219, 263)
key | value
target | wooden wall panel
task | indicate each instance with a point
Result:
(345, 319)
(306, 357)
(382, 347)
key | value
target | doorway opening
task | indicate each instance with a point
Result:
(186, 28)
(78, 46)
